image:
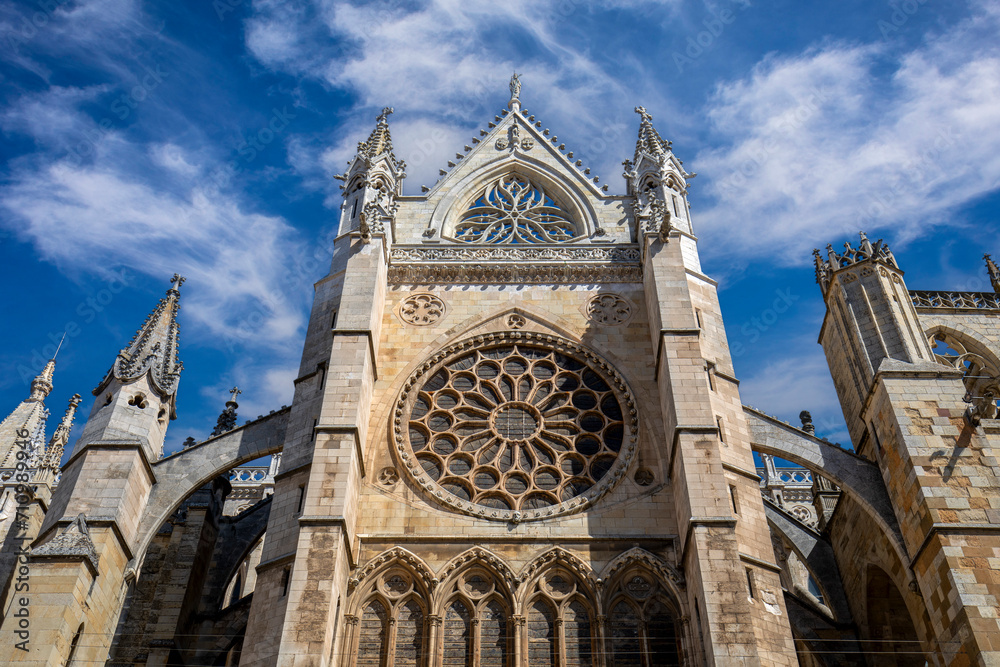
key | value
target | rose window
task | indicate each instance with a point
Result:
(515, 210)
(516, 426)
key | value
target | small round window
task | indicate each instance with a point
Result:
(516, 426)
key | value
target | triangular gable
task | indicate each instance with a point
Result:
(495, 144)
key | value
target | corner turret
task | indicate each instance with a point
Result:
(138, 395)
(372, 183)
(657, 180)
(870, 318)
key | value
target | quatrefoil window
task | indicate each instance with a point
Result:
(517, 429)
(515, 210)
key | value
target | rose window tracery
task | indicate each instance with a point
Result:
(516, 426)
(515, 210)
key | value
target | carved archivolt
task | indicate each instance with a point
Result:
(558, 556)
(516, 426)
(395, 556)
(483, 559)
(639, 556)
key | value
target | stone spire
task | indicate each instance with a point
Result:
(649, 142)
(657, 181)
(57, 444)
(41, 386)
(994, 272)
(153, 349)
(29, 417)
(371, 184)
(227, 420)
(379, 141)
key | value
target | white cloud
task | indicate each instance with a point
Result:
(819, 145)
(445, 65)
(796, 382)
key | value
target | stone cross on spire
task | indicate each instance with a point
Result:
(227, 420)
(176, 282)
(515, 92)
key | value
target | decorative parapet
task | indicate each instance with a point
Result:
(498, 264)
(834, 261)
(790, 488)
(250, 485)
(956, 300)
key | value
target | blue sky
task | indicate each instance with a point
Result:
(127, 155)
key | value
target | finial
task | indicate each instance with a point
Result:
(515, 92)
(59, 346)
(385, 114)
(227, 420)
(176, 283)
(642, 112)
(807, 422)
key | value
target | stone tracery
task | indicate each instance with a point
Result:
(517, 429)
(514, 209)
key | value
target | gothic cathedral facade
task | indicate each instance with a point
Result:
(517, 439)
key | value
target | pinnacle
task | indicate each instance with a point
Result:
(379, 141)
(649, 141)
(153, 349)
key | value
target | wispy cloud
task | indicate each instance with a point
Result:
(821, 144)
(445, 64)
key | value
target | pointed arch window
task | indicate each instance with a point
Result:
(457, 636)
(642, 624)
(514, 209)
(559, 629)
(392, 622)
(374, 627)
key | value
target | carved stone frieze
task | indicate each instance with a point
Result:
(492, 253)
(508, 264)
(506, 275)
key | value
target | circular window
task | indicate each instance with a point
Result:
(515, 426)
